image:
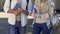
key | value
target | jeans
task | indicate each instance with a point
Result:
(38, 28)
(16, 29)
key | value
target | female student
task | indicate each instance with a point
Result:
(42, 9)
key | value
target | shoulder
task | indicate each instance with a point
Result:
(52, 3)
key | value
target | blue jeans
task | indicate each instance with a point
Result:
(16, 29)
(37, 28)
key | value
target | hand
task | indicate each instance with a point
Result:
(20, 9)
(23, 11)
(36, 15)
(16, 13)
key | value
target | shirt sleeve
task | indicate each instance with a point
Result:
(52, 3)
(6, 5)
(34, 8)
(52, 6)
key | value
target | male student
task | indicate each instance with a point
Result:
(20, 8)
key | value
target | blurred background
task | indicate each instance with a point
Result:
(4, 21)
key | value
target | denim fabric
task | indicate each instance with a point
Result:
(37, 28)
(16, 29)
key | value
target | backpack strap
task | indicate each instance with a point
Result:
(27, 4)
(10, 4)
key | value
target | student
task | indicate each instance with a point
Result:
(19, 8)
(42, 9)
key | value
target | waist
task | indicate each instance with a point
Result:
(18, 18)
(43, 12)
(41, 20)
(39, 23)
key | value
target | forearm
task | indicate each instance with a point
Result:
(10, 11)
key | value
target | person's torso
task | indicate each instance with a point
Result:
(15, 4)
(18, 3)
(42, 16)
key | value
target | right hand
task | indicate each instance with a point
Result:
(20, 10)
(16, 13)
(36, 15)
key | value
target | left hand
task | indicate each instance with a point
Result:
(20, 9)
(23, 11)
(16, 13)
